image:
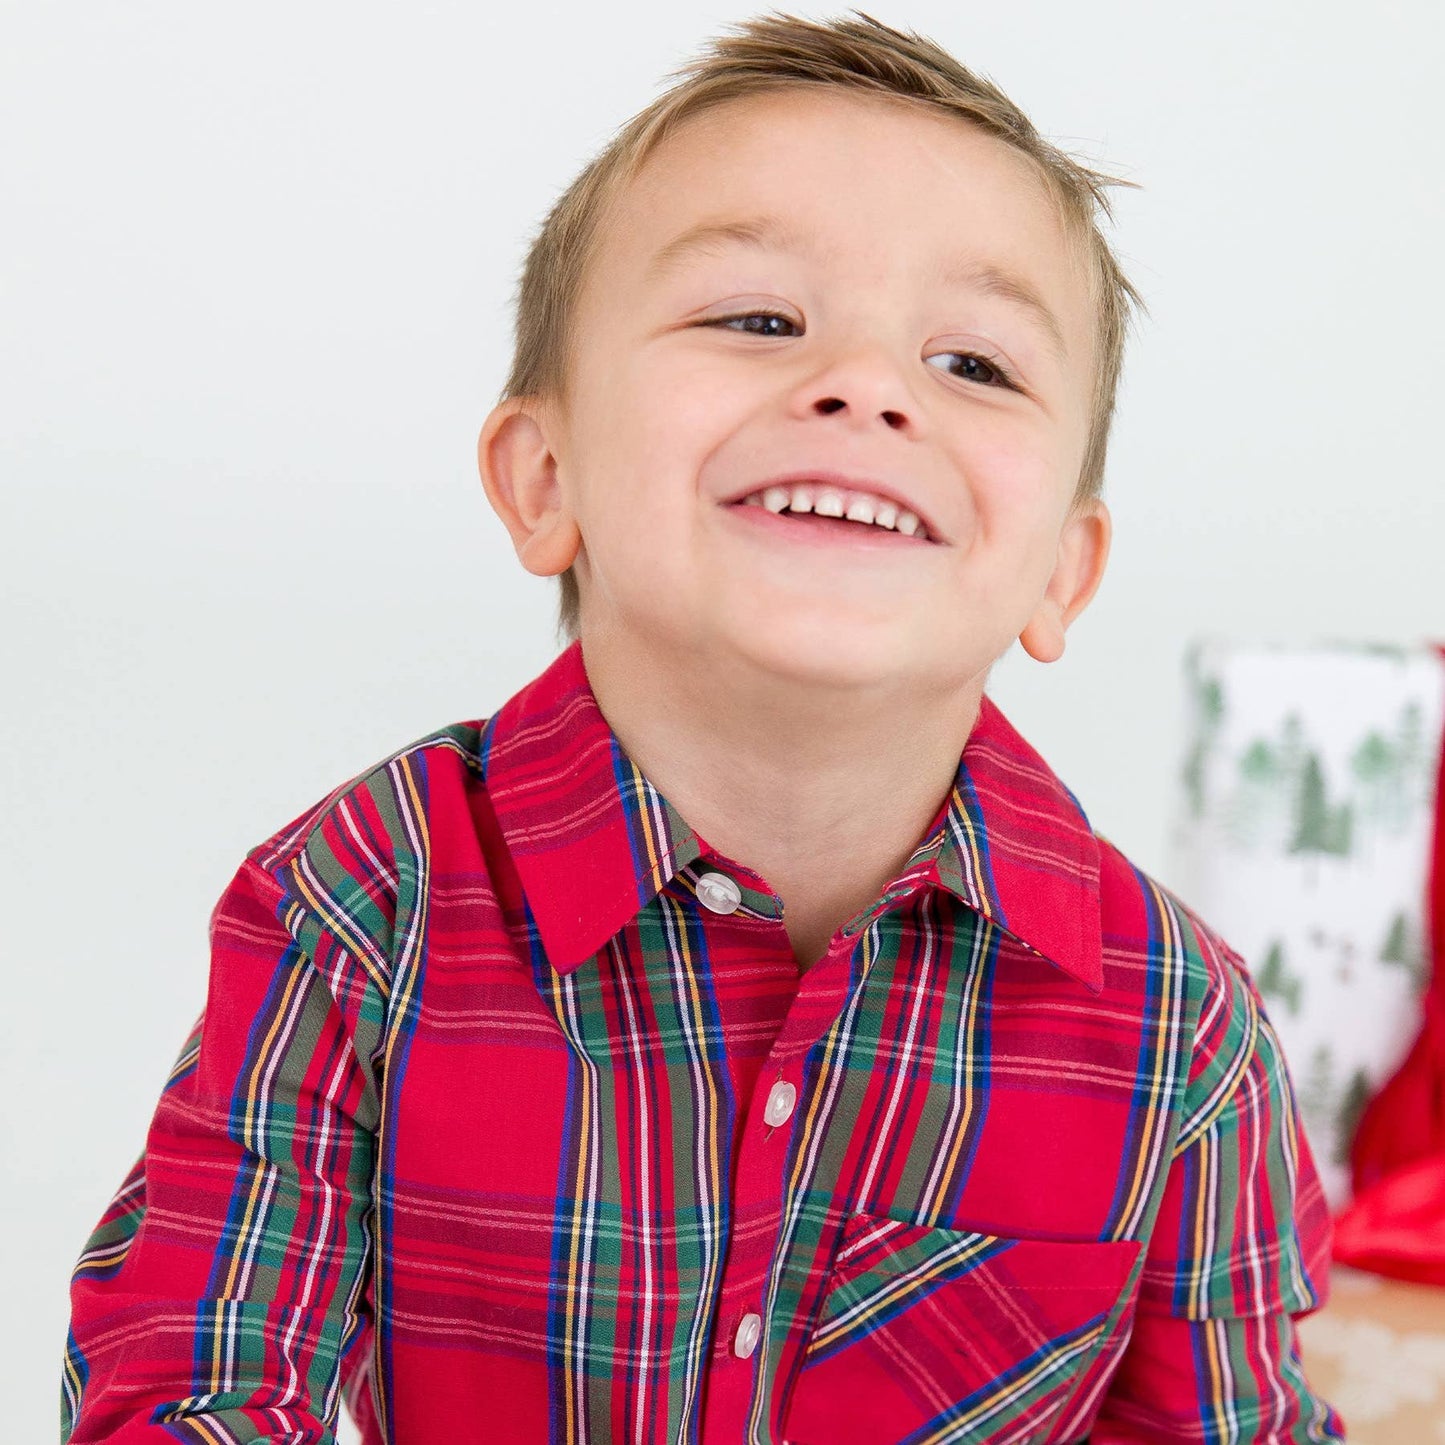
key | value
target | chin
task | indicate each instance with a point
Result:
(820, 655)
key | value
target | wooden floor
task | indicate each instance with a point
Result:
(1376, 1352)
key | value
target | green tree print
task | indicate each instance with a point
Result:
(1259, 764)
(1415, 762)
(1262, 784)
(1347, 1117)
(1318, 1087)
(1208, 695)
(1397, 947)
(1275, 979)
(1386, 769)
(1319, 828)
(1403, 949)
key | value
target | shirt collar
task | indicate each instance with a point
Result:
(593, 841)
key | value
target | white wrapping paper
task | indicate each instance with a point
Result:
(1303, 833)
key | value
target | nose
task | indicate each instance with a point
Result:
(866, 383)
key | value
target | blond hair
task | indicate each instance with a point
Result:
(777, 52)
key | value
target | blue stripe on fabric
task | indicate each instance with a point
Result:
(987, 966)
(1001, 1384)
(1143, 1095)
(627, 783)
(973, 809)
(403, 1031)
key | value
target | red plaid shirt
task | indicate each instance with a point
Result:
(510, 1117)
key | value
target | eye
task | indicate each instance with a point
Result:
(973, 367)
(766, 317)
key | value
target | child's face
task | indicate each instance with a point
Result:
(674, 415)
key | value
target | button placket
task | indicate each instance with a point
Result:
(760, 1193)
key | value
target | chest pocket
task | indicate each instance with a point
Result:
(944, 1337)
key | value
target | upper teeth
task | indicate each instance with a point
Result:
(836, 502)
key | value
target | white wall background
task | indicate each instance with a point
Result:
(255, 274)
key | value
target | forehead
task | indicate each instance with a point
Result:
(873, 187)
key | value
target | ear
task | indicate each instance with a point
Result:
(519, 474)
(1083, 551)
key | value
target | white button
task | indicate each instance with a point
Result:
(718, 892)
(746, 1339)
(780, 1103)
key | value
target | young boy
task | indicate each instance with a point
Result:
(741, 1035)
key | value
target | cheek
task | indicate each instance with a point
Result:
(656, 409)
(1015, 479)
(703, 396)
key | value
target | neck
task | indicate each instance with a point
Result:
(823, 790)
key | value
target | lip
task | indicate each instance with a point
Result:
(848, 482)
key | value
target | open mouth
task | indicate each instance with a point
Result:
(834, 531)
(828, 515)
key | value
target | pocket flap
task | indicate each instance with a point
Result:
(932, 1334)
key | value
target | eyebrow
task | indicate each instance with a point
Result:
(1007, 286)
(772, 233)
(762, 232)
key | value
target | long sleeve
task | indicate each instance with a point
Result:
(1240, 1247)
(223, 1295)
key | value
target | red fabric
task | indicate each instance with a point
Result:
(1022, 1303)
(1397, 1227)
(1396, 1222)
(478, 1125)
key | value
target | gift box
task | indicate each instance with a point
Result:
(1305, 832)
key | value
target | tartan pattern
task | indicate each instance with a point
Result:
(471, 1132)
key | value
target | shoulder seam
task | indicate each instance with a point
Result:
(1236, 991)
(283, 858)
(286, 843)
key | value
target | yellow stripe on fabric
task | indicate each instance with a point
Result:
(959, 1257)
(693, 996)
(1204, 1239)
(101, 1258)
(656, 859)
(974, 855)
(818, 1098)
(408, 793)
(206, 1427)
(576, 1225)
(1282, 1094)
(1216, 1350)
(706, 1122)
(322, 906)
(964, 1427)
(1229, 1081)
(72, 1389)
(1155, 1118)
(188, 1056)
(983, 945)
(253, 1096)
(572, 1406)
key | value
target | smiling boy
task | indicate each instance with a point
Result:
(741, 1035)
